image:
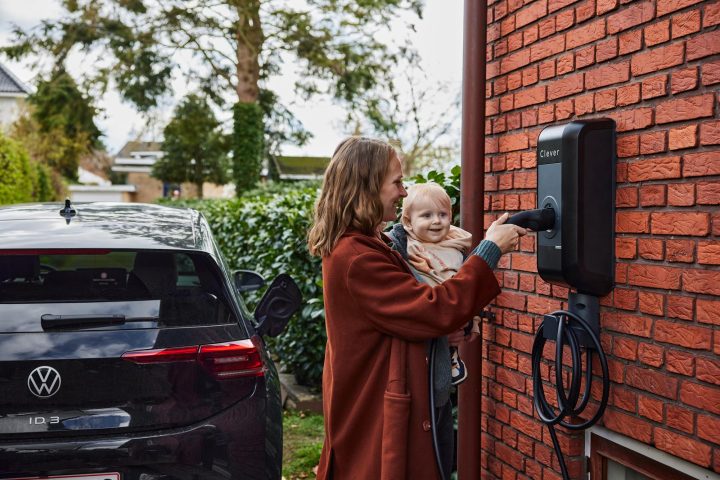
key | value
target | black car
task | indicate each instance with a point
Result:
(126, 351)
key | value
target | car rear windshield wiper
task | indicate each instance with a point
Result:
(49, 321)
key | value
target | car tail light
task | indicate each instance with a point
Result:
(233, 359)
(222, 360)
(162, 355)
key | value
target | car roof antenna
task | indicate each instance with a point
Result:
(68, 212)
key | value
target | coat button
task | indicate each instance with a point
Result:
(426, 425)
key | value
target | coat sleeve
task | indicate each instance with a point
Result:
(398, 305)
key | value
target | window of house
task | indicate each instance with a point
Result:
(612, 461)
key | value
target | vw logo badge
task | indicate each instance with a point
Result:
(44, 382)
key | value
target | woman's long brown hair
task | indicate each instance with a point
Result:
(350, 196)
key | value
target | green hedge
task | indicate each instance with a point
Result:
(265, 230)
(18, 175)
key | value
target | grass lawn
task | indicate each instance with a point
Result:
(302, 441)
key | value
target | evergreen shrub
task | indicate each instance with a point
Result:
(16, 181)
(43, 188)
(265, 230)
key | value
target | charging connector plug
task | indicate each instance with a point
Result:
(536, 220)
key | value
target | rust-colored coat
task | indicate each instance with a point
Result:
(375, 385)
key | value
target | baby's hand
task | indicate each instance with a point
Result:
(456, 338)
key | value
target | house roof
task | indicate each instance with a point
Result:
(301, 167)
(139, 147)
(10, 84)
(97, 162)
(86, 177)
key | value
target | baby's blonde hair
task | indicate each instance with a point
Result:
(431, 191)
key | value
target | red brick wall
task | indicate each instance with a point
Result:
(654, 67)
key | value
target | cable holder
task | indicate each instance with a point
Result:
(579, 328)
(584, 306)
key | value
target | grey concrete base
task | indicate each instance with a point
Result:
(298, 397)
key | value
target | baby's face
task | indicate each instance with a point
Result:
(429, 221)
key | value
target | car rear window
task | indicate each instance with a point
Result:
(185, 287)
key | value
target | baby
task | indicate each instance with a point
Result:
(435, 248)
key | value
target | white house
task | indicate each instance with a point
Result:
(12, 97)
(94, 188)
(137, 158)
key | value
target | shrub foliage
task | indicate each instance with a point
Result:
(43, 187)
(265, 230)
(17, 179)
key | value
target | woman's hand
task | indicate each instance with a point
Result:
(506, 237)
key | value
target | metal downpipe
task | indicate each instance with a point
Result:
(472, 213)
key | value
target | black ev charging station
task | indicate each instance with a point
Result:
(575, 225)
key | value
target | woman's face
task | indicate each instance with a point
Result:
(392, 190)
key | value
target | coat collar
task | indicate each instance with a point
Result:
(384, 243)
(383, 240)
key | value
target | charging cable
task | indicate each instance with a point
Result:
(567, 402)
(433, 419)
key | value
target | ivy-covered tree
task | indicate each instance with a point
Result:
(334, 45)
(194, 148)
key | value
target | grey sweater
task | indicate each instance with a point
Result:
(489, 252)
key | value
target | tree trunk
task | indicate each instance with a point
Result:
(199, 188)
(249, 38)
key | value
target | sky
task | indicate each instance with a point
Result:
(438, 39)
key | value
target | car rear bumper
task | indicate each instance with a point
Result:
(234, 444)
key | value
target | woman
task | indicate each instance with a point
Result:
(379, 318)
